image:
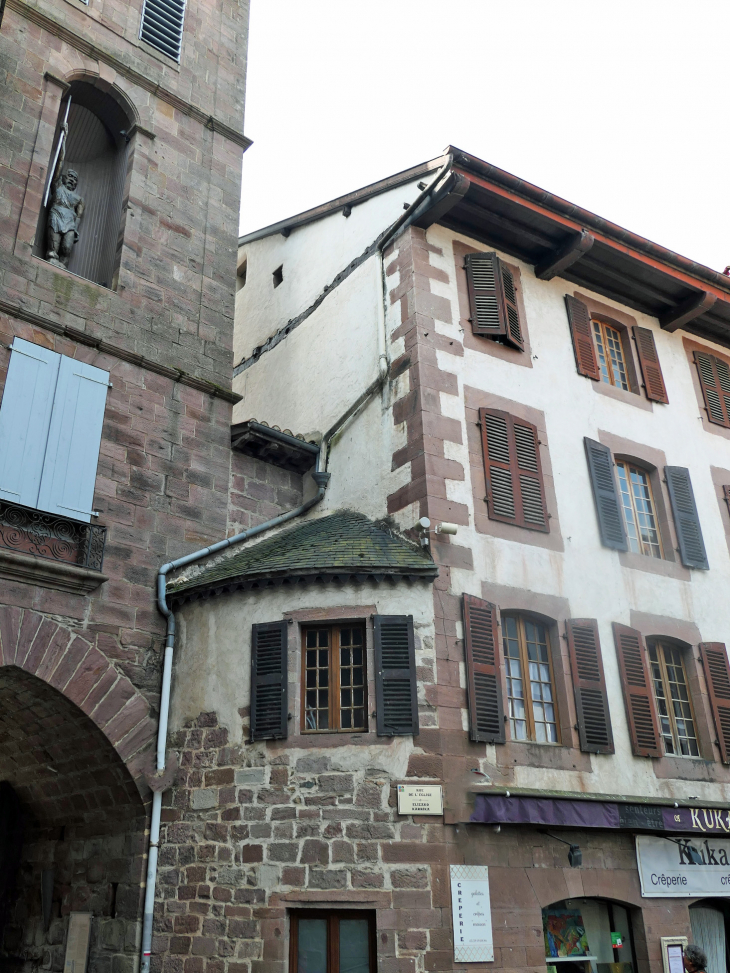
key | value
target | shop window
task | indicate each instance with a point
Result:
(642, 528)
(334, 679)
(332, 942)
(532, 712)
(80, 227)
(674, 707)
(588, 936)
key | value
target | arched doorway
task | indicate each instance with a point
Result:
(82, 830)
(589, 935)
(710, 924)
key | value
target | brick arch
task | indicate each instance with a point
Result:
(74, 667)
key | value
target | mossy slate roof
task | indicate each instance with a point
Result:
(344, 543)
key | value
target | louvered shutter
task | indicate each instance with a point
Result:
(269, 682)
(395, 676)
(650, 367)
(589, 685)
(715, 381)
(605, 494)
(162, 25)
(513, 333)
(513, 472)
(726, 495)
(72, 456)
(717, 677)
(483, 661)
(493, 299)
(581, 332)
(25, 420)
(686, 519)
(641, 712)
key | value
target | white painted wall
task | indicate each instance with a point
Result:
(587, 573)
(333, 356)
(212, 669)
(311, 256)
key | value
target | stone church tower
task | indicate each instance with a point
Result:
(121, 137)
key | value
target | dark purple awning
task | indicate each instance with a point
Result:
(565, 813)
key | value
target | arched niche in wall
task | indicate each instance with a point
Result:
(97, 148)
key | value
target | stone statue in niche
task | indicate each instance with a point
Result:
(65, 212)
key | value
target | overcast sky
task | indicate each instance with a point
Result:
(621, 108)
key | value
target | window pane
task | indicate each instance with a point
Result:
(645, 516)
(354, 946)
(615, 350)
(602, 363)
(672, 696)
(316, 681)
(352, 683)
(632, 535)
(312, 952)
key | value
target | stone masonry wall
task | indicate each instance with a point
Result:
(252, 832)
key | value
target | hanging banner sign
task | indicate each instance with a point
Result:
(472, 914)
(666, 868)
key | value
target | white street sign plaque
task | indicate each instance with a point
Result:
(420, 799)
(472, 914)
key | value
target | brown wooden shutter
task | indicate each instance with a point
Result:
(715, 381)
(396, 690)
(717, 677)
(513, 332)
(513, 471)
(581, 331)
(483, 660)
(589, 685)
(650, 367)
(641, 712)
(492, 299)
(269, 681)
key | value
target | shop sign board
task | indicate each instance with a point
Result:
(420, 799)
(472, 914)
(666, 869)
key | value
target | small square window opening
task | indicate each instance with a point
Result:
(334, 677)
(278, 275)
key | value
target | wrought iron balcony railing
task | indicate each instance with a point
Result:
(41, 534)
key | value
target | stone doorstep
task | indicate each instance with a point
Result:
(26, 568)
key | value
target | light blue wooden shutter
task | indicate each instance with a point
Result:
(25, 419)
(69, 471)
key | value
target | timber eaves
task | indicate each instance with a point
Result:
(106, 348)
(136, 77)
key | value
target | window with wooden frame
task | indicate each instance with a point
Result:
(532, 711)
(640, 516)
(334, 679)
(603, 352)
(611, 361)
(329, 941)
(671, 692)
(513, 471)
(493, 304)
